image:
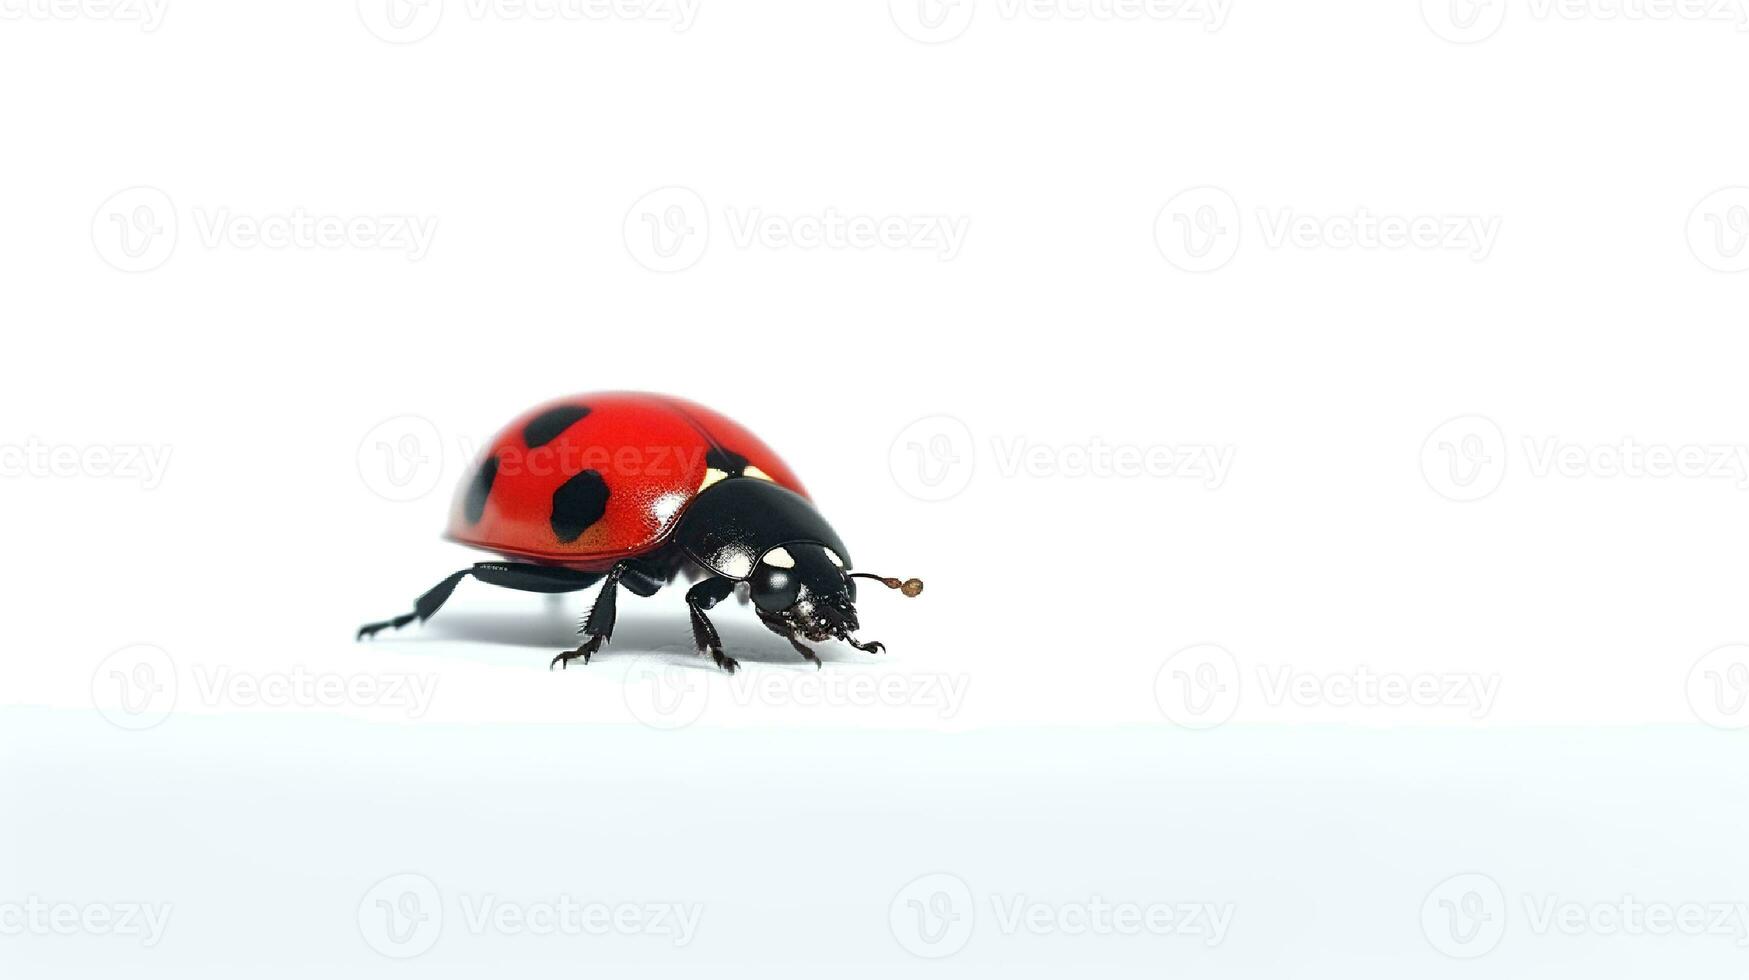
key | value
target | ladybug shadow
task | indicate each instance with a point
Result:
(642, 633)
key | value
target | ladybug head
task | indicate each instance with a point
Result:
(805, 588)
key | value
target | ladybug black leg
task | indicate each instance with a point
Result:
(523, 578)
(873, 646)
(804, 651)
(599, 623)
(700, 597)
(587, 650)
(427, 604)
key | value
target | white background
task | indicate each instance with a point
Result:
(1448, 636)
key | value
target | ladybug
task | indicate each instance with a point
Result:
(634, 489)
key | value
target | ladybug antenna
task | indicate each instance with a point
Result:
(912, 587)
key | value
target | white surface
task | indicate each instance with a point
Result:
(268, 840)
(1441, 542)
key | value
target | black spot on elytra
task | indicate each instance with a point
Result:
(479, 488)
(578, 504)
(548, 425)
(732, 463)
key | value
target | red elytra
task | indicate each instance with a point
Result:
(652, 454)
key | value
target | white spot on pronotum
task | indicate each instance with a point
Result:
(738, 565)
(779, 558)
(711, 476)
(757, 474)
(834, 556)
